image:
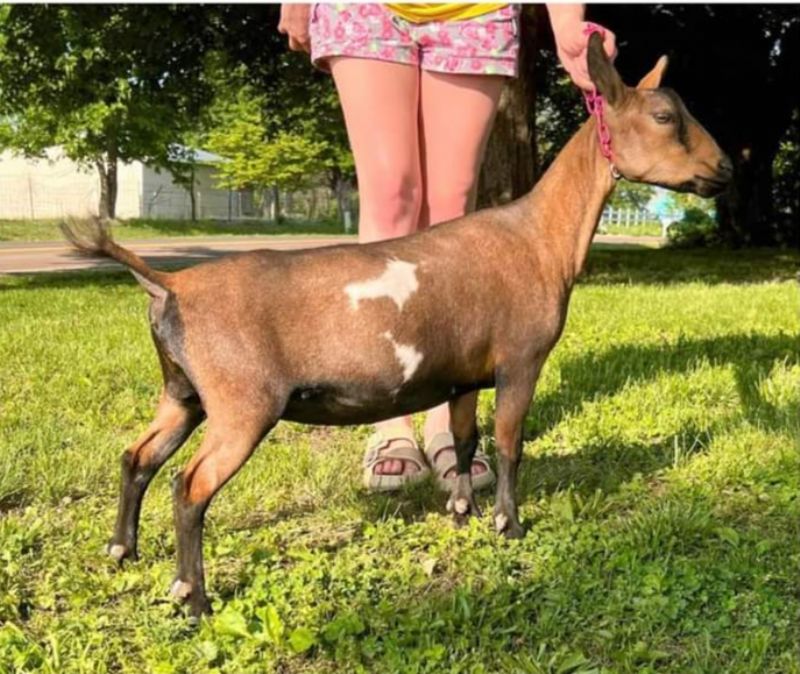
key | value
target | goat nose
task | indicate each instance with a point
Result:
(725, 166)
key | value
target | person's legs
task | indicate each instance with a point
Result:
(380, 100)
(457, 111)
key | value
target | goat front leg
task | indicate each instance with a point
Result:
(174, 422)
(514, 396)
(465, 434)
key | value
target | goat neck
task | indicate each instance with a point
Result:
(566, 204)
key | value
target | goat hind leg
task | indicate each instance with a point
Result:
(174, 422)
(224, 451)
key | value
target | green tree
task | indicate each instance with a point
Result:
(260, 154)
(298, 99)
(631, 195)
(736, 66)
(108, 83)
(786, 169)
(681, 202)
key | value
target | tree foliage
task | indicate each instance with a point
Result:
(298, 100)
(255, 157)
(631, 195)
(125, 82)
(105, 82)
(736, 66)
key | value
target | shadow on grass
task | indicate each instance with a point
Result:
(668, 266)
(607, 466)
(592, 592)
(593, 375)
(105, 275)
(537, 624)
(603, 466)
(68, 280)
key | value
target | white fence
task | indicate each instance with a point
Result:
(635, 217)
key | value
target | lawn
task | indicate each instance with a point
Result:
(645, 229)
(48, 230)
(659, 489)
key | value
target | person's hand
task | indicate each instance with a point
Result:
(294, 23)
(572, 43)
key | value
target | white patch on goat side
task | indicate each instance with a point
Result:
(408, 357)
(398, 282)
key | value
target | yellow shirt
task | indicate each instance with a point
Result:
(442, 11)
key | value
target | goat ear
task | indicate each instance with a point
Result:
(602, 72)
(653, 79)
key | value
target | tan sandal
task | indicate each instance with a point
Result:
(397, 444)
(441, 465)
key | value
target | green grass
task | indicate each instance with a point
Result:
(47, 230)
(645, 229)
(659, 488)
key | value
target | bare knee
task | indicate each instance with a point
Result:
(449, 202)
(390, 205)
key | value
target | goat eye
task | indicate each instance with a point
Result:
(664, 117)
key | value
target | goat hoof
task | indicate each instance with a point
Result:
(500, 522)
(198, 607)
(119, 552)
(513, 530)
(462, 508)
(507, 523)
(180, 590)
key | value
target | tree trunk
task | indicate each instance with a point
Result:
(341, 187)
(342, 193)
(745, 213)
(107, 170)
(192, 196)
(312, 205)
(275, 204)
(510, 165)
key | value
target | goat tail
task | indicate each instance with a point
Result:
(92, 237)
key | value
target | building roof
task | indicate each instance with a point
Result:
(181, 152)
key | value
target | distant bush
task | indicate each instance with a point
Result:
(696, 228)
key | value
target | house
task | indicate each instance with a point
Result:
(56, 187)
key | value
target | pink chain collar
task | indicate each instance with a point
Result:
(595, 105)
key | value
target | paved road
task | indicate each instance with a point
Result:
(47, 256)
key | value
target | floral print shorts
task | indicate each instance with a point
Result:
(483, 45)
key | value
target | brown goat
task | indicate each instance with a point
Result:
(355, 334)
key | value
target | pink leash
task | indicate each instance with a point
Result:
(595, 106)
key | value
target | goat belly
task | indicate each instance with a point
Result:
(342, 404)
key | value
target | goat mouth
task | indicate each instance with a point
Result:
(699, 185)
(709, 187)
